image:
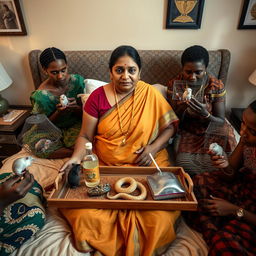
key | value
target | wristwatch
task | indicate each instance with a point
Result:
(240, 213)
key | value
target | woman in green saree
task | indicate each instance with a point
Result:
(46, 100)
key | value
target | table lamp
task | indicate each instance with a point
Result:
(5, 82)
(252, 78)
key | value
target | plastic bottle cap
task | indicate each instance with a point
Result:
(88, 145)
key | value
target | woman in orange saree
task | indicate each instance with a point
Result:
(126, 120)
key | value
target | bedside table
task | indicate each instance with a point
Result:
(9, 134)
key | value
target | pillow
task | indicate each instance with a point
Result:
(84, 97)
(91, 85)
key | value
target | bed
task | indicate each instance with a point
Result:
(158, 67)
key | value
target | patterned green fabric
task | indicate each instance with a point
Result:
(44, 102)
(21, 219)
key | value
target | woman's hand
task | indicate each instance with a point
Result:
(60, 108)
(14, 188)
(197, 108)
(72, 104)
(144, 158)
(67, 166)
(218, 206)
(219, 162)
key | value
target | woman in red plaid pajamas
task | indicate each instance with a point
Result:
(227, 197)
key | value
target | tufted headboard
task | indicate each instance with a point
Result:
(158, 66)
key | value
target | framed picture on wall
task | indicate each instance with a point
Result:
(11, 19)
(184, 14)
(248, 15)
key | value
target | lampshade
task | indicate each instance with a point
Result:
(5, 80)
(252, 78)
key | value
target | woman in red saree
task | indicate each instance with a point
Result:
(126, 120)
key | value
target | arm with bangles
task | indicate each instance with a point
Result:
(199, 110)
(88, 129)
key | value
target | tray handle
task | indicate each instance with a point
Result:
(187, 181)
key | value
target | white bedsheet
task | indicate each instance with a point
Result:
(55, 239)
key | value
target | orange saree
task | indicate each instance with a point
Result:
(127, 232)
(152, 114)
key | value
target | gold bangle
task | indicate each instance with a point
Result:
(207, 115)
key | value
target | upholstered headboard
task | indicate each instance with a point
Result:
(158, 66)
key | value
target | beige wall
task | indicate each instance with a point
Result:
(105, 24)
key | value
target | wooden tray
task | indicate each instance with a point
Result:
(65, 197)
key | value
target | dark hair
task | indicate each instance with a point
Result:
(123, 51)
(252, 106)
(51, 54)
(195, 53)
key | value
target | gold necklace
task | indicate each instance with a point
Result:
(119, 116)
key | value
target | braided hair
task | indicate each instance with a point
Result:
(195, 53)
(49, 55)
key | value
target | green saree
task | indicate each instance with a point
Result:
(44, 102)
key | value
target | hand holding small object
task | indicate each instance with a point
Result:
(143, 158)
(199, 108)
(63, 100)
(216, 149)
(187, 95)
(14, 188)
(219, 158)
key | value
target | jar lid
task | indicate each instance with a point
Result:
(88, 145)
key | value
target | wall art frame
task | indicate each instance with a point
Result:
(184, 14)
(11, 19)
(248, 15)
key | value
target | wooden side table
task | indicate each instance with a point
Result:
(8, 136)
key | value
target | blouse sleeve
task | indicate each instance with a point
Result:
(91, 106)
(43, 103)
(218, 91)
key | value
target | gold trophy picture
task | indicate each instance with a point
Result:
(185, 7)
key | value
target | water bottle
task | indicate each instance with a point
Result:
(90, 167)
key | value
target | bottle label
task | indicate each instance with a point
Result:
(91, 175)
